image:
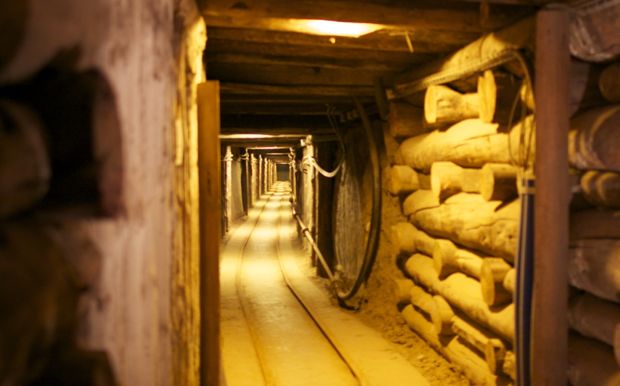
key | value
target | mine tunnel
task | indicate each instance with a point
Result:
(311, 192)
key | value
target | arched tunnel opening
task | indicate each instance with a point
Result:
(312, 192)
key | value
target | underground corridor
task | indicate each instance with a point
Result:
(309, 193)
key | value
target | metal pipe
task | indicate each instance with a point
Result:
(315, 247)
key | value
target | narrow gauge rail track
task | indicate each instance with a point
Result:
(279, 328)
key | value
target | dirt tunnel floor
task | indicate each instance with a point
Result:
(269, 338)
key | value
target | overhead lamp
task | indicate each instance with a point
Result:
(333, 28)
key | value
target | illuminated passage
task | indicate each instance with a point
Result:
(268, 338)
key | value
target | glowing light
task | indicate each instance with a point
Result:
(334, 28)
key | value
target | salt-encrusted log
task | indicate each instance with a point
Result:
(469, 220)
(591, 363)
(469, 143)
(421, 325)
(492, 274)
(405, 120)
(424, 180)
(492, 349)
(422, 301)
(609, 83)
(594, 266)
(448, 179)
(594, 317)
(443, 316)
(510, 281)
(498, 182)
(583, 89)
(463, 293)
(515, 37)
(497, 93)
(593, 140)
(419, 200)
(595, 224)
(443, 106)
(423, 242)
(601, 188)
(510, 364)
(402, 179)
(448, 258)
(25, 169)
(526, 96)
(403, 236)
(472, 364)
(409, 239)
(402, 289)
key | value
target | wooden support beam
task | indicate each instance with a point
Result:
(550, 292)
(380, 41)
(268, 122)
(487, 48)
(306, 91)
(232, 51)
(284, 74)
(210, 214)
(454, 17)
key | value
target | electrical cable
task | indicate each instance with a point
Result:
(372, 241)
(310, 160)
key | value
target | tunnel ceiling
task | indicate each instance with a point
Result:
(275, 80)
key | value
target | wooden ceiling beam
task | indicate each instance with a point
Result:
(287, 91)
(268, 123)
(416, 15)
(274, 109)
(215, 46)
(380, 41)
(291, 75)
(354, 62)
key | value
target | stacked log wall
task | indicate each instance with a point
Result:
(454, 172)
(594, 265)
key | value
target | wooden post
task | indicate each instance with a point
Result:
(550, 293)
(227, 199)
(210, 213)
(245, 182)
(307, 197)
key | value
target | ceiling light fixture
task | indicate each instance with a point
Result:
(333, 28)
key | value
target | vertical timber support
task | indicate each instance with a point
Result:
(292, 169)
(245, 181)
(259, 188)
(253, 180)
(308, 191)
(210, 214)
(227, 199)
(550, 294)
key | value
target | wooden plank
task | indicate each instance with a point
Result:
(357, 61)
(383, 41)
(305, 91)
(293, 75)
(312, 55)
(266, 122)
(274, 109)
(438, 16)
(466, 60)
(550, 292)
(210, 214)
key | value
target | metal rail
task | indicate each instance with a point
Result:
(313, 317)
